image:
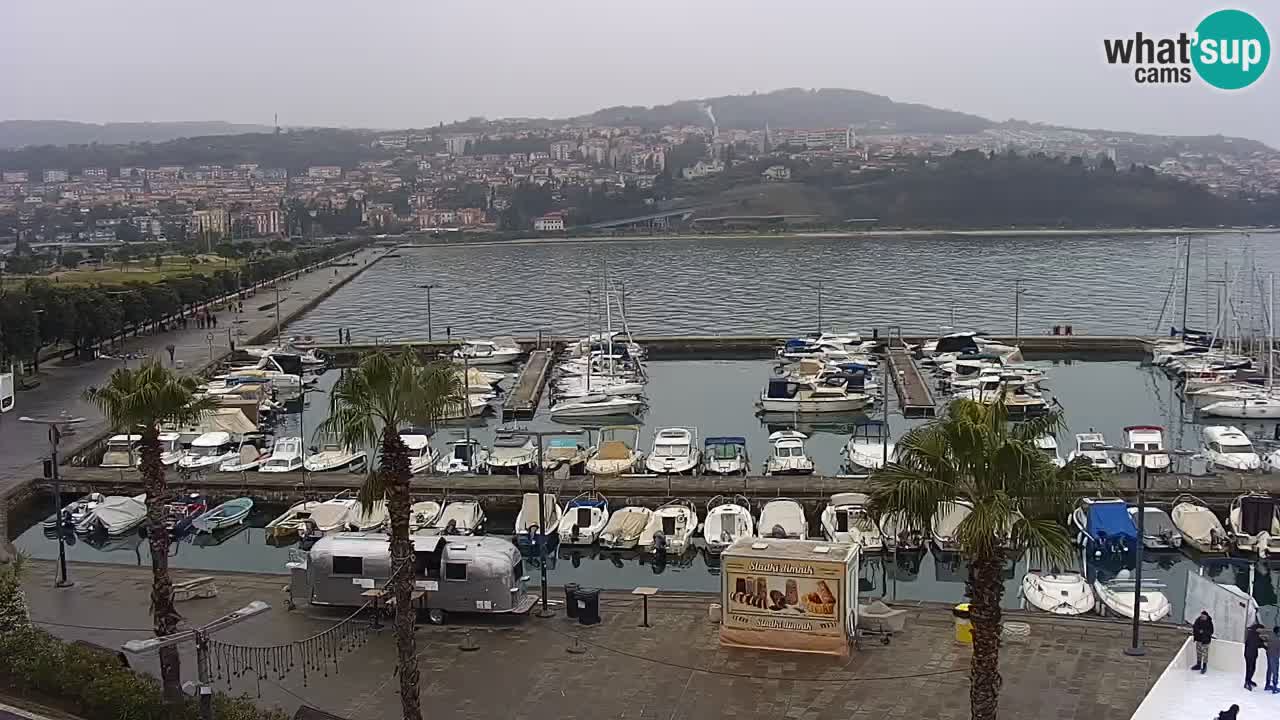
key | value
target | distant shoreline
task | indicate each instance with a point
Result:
(924, 234)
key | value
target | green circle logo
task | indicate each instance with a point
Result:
(1232, 49)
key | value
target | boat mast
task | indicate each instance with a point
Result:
(1186, 285)
(1271, 313)
(608, 313)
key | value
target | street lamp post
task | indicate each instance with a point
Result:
(542, 513)
(819, 306)
(1017, 310)
(1135, 649)
(55, 426)
(428, 287)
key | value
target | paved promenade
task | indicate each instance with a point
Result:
(22, 446)
(1066, 670)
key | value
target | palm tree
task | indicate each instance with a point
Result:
(1018, 496)
(367, 408)
(143, 399)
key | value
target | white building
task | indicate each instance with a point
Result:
(457, 144)
(562, 150)
(777, 173)
(56, 176)
(326, 172)
(549, 223)
(702, 169)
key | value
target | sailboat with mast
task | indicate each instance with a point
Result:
(1254, 403)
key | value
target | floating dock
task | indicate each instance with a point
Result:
(522, 402)
(915, 398)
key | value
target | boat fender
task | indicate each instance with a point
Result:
(573, 532)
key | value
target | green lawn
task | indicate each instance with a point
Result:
(134, 271)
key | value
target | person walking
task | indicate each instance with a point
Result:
(1253, 642)
(1202, 633)
(1273, 661)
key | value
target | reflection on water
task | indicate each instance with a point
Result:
(758, 285)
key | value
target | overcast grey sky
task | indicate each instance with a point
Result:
(383, 63)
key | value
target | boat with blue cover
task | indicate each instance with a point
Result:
(1105, 525)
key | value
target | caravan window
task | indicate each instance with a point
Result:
(427, 565)
(455, 571)
(348, 565)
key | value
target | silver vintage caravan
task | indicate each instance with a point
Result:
(456, 573)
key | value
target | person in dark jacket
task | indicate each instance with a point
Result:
(1273, 660)
(1253, 642)
(1202, 633)
(1230, 713)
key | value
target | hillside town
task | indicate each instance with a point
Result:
(534, 177)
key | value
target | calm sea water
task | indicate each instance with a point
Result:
(1100, 285)
(1101, 395)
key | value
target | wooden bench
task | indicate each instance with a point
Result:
(201, 587)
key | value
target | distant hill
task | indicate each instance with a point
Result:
(797, 108)
(21, 133)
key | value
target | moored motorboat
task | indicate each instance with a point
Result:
(513, 452)
(1158, 530)
(787, 455)
(899, 534)
(675, 452)
(1103, 525)
(670, 528)
(597, 406)
(1060, 593)
(564, 452)
(421, 455)
(498, 351)
(624, 527)
(1091, 447)
(846, 519)
(229, 513)
(423, 514)
(1144, 437)
(583, 519)
(1253, 523)
(1228, 448)
(725, 456)
(946, 523)
(333, 456)
(253, 450)
(1260, 407)
(616, 452)
(463, 456)
(115, 515)
(783, 518)
(1118, 595)
(1048, 444)
(529, 530)
(789, 396)
(74, 512)
(286, 456)
(209, 450)
(1198, 524)
(121, 452)
(461, 516)
(728, 521)
(867, 448)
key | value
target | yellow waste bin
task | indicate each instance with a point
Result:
(964, 627)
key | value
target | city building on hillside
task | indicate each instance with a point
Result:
(97, 173)
(14, 176)
(551, 222)
(56, 176)
(325, 172)
(562, 150)
(703, 168)
(212, 221)
(777, 173)
(457, 144)
(830, 138)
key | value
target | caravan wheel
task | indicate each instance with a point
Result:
(436, 616)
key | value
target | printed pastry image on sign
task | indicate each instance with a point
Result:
(787, 604)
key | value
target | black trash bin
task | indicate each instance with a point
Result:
(588, 602)
(571, 599)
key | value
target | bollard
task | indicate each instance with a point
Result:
(576, 648)
(468, 643)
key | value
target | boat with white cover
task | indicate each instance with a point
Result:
(867, 447)
(1117, 595)
(788, 456)
(1091, 447)
(1048, 444)
(422, 457)
(286, 456)
(670, 528)
(583, 519)
(463, 456)
(597, 406)
(728, 521)
(1158, 530)
(513, 453)
(616, 452)
(1198, 524)
(115, 515)
(725, 455)
(209, 450)
(783, 518)
(782, 395)
(498, 351)
(1228, 448)
(334, 456)
(529, 530)
(845, 519)
(460, 517)
(675, 452)
(623, 530)
(946, 522)
(325, 516)
(1253, 523)
(1060, 593)
(1144, 437)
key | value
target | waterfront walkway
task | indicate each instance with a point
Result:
(23, 446)
(1066, 670)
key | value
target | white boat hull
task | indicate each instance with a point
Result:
(837, 405)
(1155, 605)
(1062, 594)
